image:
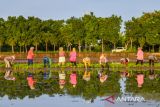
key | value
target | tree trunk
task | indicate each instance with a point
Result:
(36, 47)
(79, 46)
(54, 47)
(23, 48)
(67, 47)
(20, 49)
(153, 48)
(131, 43)
(0, 48)
(46, 47)
(26, 48)
(86, 46)
(12, 49)
(102, 46)
(126, 45)
(90, 48)
(114, 45)
(70, 47)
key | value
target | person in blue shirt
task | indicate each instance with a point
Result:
(47, 61)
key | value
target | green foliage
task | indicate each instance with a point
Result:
(20, 33)
(144, 29)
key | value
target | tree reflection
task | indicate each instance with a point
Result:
(47, 82)
(150, 88)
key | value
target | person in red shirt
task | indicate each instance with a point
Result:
(30, 56)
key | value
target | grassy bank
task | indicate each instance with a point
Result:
(80, 65)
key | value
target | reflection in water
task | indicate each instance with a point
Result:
(87, 75)
(124, 74)
(80, 84)
(140, 79)
(62, 81)
(9, 74)
(73, 78)
(102, 76)
(152, 74)
(31, 81)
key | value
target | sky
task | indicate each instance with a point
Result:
(64, 9)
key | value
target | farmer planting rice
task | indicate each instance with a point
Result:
(87, 62)
(47, 62)
(8, 63)
(103, 62)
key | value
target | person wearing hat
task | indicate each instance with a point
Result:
(152, 58)
(62, 59)
(47, 61)
(73, 57)
(103, 61)
(30, 56)
(140, 56)
(87, 62)
(9, 61)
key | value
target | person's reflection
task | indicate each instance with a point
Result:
(151, 75)
(123, 74)
(87, 75)
(46, 74)
(62, 80)
(140, 79)
(73, 78)
(8, 75)
(102, 76)
(31, 81)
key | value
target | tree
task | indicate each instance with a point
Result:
(2, 30)
(11, 30)
(67, 36)
(34, 32)
(77, 29)
(55, 32)
(90, 30)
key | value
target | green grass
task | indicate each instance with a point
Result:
(79, 65)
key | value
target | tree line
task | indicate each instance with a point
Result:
(86, 33)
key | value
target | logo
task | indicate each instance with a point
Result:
(112, 99)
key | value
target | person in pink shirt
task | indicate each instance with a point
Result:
(73, 79)
(103, 61)
(73, 56)
(140, 56)
(30, 56)
(31, 82)
(140, 80)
